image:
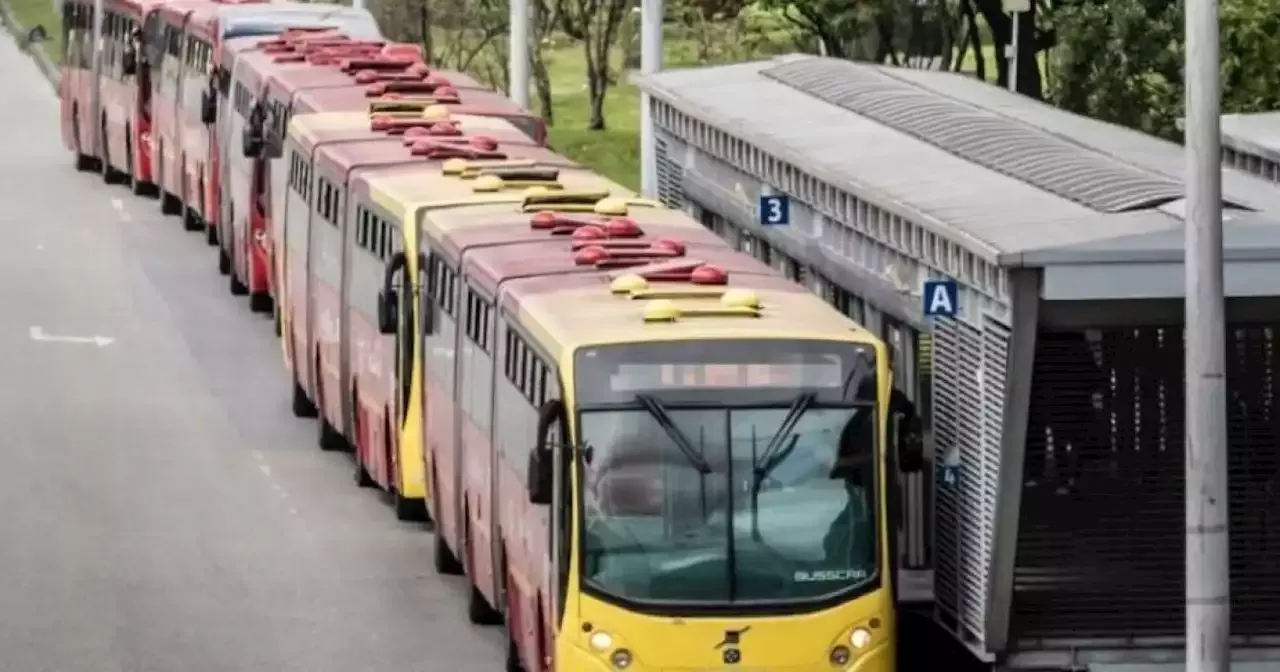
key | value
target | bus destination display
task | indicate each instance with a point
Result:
(640, 377)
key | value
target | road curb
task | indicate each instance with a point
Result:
(37, 53)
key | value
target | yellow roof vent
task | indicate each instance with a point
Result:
(435, 113)
(740, 298)
(666, 310)
(496, 182)
(465, 168)
(628, 284)
(565, 201)
(661, 310)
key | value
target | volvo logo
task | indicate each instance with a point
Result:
(732, 656)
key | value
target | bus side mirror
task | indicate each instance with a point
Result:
(389, 298)
(208, 106)
(910, 445)
(250, 144)
(542, 459)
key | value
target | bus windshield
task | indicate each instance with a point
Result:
(707, 486)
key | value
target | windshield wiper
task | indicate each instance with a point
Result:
(775, 452)
(659, 413)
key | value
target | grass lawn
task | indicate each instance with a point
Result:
(32, 13)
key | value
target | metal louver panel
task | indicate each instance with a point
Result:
(1100, 542)
(670, 187)
(1021, 151)
(970, 377)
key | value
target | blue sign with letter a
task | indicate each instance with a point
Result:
(775, 210)
(941, 298)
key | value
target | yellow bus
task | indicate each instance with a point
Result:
(666, 455)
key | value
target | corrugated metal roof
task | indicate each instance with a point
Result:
(1145, 151)
(991, 140)
(988, 211)
(1257, 134)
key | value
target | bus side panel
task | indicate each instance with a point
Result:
(525, 536)
(476, 394)
(437, 435)
(297, 240)
(325, 280)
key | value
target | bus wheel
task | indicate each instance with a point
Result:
(84, 162)
(109, 174)
(260, 302)
(302, 406)
(329, 438)
(210, 233)
(445, 561)
(513, 649)
(363, 479)
(479, 611)
(237, 287)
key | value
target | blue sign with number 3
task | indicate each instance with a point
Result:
(775, 210)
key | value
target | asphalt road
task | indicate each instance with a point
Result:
(160, 509)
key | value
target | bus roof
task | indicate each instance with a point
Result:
(290, 77)
(405, 192)
(355, 97)
(276, 17)
(311, 129)
(491, 264)
(564, 313)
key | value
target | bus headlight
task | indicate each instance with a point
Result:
(860, 638)
(621, 659)
(601, 640)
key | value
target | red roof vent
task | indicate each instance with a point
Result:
(682, 270)
(289, 58)
(603, 255)
(438, 151)
(424, 87)
(372, 61)
(419, 69)
(403, 50)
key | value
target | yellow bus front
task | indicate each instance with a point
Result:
(728, 507)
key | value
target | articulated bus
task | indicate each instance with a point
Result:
(706, 447)
(270, 78)
(342, 371)
(105, 93)
(252, 183)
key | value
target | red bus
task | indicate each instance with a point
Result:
(288, 76)
(105, 94)
(327, 166)
(242, 30)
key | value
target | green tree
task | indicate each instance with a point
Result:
(1122, 62)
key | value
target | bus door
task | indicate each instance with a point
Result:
(915, 491)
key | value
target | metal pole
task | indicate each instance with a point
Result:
(357, 4)
(519, 53)
(651, 19)
(1013, 53)
(1208, 590)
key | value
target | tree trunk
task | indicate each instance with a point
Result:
(542, 87)
(597, 81)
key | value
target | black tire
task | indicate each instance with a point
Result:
(109, 174)
(261, 303)
(210, 234)
(303, 407)
(409, 510)
(84, 162)
(169, 204)
(445, 561)
(362, 477)
(329, 438)
(224, 261)
(191, 221)
(513, 663)
(237, 288)
(479, 612)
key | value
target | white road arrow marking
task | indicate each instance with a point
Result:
(37, 334)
